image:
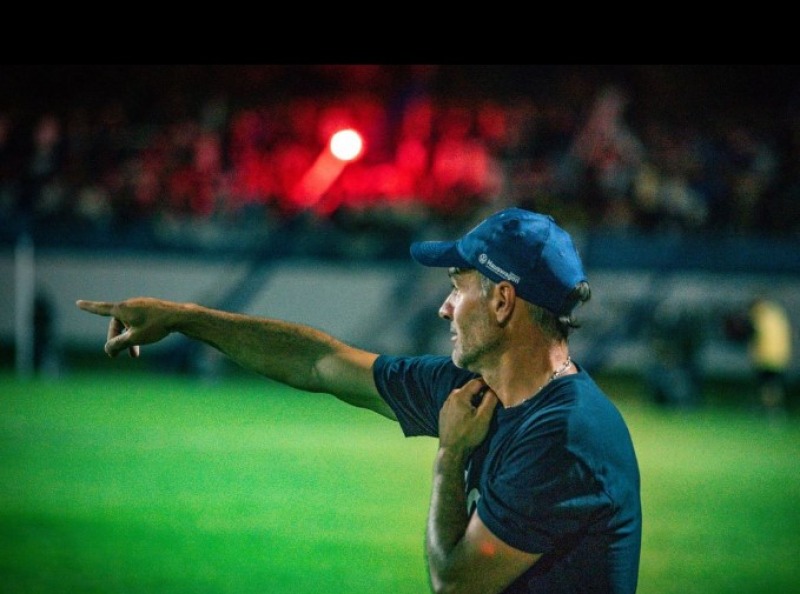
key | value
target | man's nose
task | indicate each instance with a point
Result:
(445, 310)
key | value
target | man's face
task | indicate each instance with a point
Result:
(474, 333)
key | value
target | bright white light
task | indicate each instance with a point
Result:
(346, 145)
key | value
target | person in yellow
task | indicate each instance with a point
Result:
(770, 351)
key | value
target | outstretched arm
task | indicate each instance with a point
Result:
(294, 354)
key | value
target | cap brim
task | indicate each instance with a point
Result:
(440, 254)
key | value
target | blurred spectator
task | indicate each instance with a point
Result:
(676, 336)
(43, 191)
(463, 172)
(46, 348)
(608, 154)
(770, 350)
(10, 165)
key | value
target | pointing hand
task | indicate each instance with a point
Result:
(133, 322)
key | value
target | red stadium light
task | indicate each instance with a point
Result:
(344, 146)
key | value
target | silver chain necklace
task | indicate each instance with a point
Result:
(556, 374)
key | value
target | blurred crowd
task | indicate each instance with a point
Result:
(212, 161)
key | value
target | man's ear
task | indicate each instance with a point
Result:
(505, 299)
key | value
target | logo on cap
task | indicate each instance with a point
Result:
(509, 276)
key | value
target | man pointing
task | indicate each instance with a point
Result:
(536, 483)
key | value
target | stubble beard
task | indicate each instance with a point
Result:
(473, 357)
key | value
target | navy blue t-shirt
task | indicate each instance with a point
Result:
(556, 475)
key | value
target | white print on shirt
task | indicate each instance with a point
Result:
(472, 500)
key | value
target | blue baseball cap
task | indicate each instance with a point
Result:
(525, 248)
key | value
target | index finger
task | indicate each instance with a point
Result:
(476, 388)
(476, 384)
(102, 308)
(471, 391)
(487, 402)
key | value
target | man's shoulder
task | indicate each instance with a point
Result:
(440, 364)
(432, 369)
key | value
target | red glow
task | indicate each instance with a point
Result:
(316, 181)
(488, 549)
(344, 147)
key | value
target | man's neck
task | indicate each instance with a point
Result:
(521, 373)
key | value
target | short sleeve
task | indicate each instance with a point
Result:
(416, 388)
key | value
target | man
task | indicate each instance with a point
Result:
(536, 483)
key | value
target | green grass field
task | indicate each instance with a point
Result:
(135, 483)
